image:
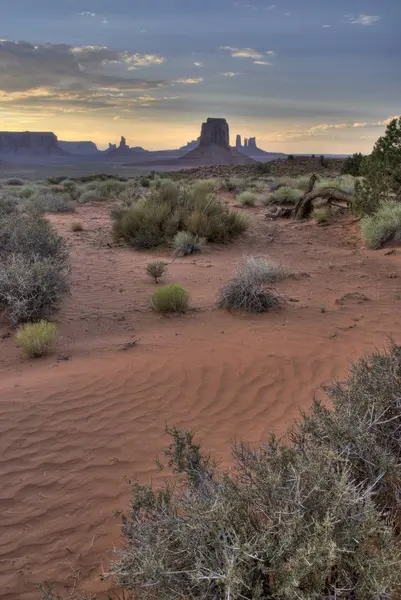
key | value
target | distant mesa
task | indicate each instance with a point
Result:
(123, 149)
(79, 147)
(250, 148)
(29, 144)
(214, 146)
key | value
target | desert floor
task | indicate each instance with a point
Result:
(77, 425)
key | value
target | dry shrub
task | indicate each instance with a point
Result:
(34, 267)
(36, 339)
(308, 517)
(247, 290)
(77, 226)
(247, 199)
(186, 243)
(156, 269)
(54, 202)
(170, 298)
(30, 287)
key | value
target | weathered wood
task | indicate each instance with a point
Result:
(305, 206)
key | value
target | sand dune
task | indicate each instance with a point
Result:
(76, 425)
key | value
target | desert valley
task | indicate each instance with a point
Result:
(200, 294)
(280, 290)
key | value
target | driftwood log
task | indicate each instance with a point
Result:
(304, 206)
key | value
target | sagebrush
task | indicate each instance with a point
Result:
(312, 516)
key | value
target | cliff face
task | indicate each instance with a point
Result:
(79, 147)
(27, 143)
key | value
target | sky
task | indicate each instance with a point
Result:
(302, 76)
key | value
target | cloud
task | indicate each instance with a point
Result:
(198, 64)
(323, 128)
(77, 78)
(189, 81)
(231, 74)
(262, 62)
(326, 26)
(362, 19)
(242, 52)
(87, 14)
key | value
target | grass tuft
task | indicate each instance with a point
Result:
(170, 298)
(36, 339)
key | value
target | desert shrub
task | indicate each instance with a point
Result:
(203, 187)
(77, 226)
(156, 269)
(290, 157)
(167, 191)
(30, 235)
(307, 517)
(284, 195)
(236, 184)
(170, 298)
(89, 196)
(36, 339)
(321, 214)
(14, 181)
(247, 290)
(186, 243)
(345, 183)
(353, 165)
(247, 199)
(324, 161)
(110, 189)
(31, 286)
(144, 182)
(368, 197)
(8, 205)
(214, 222)
(156, 219)
(263, 168)
(383, 226)
(145, 225)
(55, 203)
(27, 191)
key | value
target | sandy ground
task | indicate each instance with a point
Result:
(76, 426)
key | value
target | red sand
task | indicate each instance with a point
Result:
(78, 423)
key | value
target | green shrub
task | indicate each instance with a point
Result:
(186, 243)
(383, 226)
(77, 226)
(345, 183)
(14, 181)
(368, 197)
(321, 214)
(203, 187)
(36, 339)
(156, 269)
(144, 182)
(110, 189)
(247, 199)
(156, 219)
(170, 298)
(312, 516)
(27, 191)
(284, 195)
(90, 196)
(247, 290)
